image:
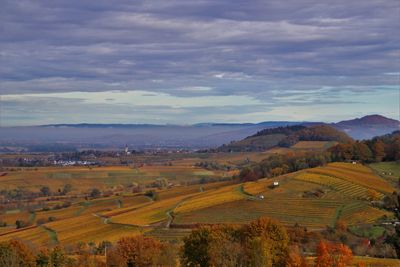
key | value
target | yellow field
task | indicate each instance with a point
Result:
(149, 214)
(284, 203)
(84, 178)
(356, 174)
(360, 213)
(376, 262)
(368, 261)
(36, 236)
(60, 214)
(88, 228)
(12, 216)
(343, 199)
(210, 198)
(346, 188)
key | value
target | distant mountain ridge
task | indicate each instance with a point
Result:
(368, 126)
(370, 120)
(205, 124)
(196, 136)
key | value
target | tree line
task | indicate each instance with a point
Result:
(263, 242)
(383, 148)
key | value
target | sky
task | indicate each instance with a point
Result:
(192, 61)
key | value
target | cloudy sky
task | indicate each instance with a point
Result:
(192, 61)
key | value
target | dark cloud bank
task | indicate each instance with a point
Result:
(285, 55)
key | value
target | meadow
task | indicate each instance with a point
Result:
(388, 170)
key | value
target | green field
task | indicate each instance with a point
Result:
(388, 170)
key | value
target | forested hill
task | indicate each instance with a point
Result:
(285, 137)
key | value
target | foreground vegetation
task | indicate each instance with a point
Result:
(262, 242)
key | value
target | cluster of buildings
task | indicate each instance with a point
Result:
(73, 163)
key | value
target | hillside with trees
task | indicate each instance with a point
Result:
(378, 149)
(285, 137)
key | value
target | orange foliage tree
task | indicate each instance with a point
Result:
(330, 254)
(261, 243)
(138, 250)
(295, 258)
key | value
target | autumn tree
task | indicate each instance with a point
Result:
(138, 250)
(225, 248)
(57, 257)
(24, 253)
(88, 260)
(295, 259)
(218, 245)
(271, 237)
(8, 256)
(362, 152)
(341, 225)
(194, 251)
(261, 243)
(43, 258)
(329, 254)
(378, 150)
(323, 259)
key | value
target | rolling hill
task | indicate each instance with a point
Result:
(368, 126)
(285, 137)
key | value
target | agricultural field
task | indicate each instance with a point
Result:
(86, 178)
(368, 261)
(315, 198)
(355, 174)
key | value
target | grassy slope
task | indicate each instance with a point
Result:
(388, 170)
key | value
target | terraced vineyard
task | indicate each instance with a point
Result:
(311, 213)
(361, 213)
(356, 174)
(342, 199)
(210, 199)
(344, 187)
(89, 228)
(342, 190)
(37, 236)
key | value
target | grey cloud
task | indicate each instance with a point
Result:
(262, 49)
